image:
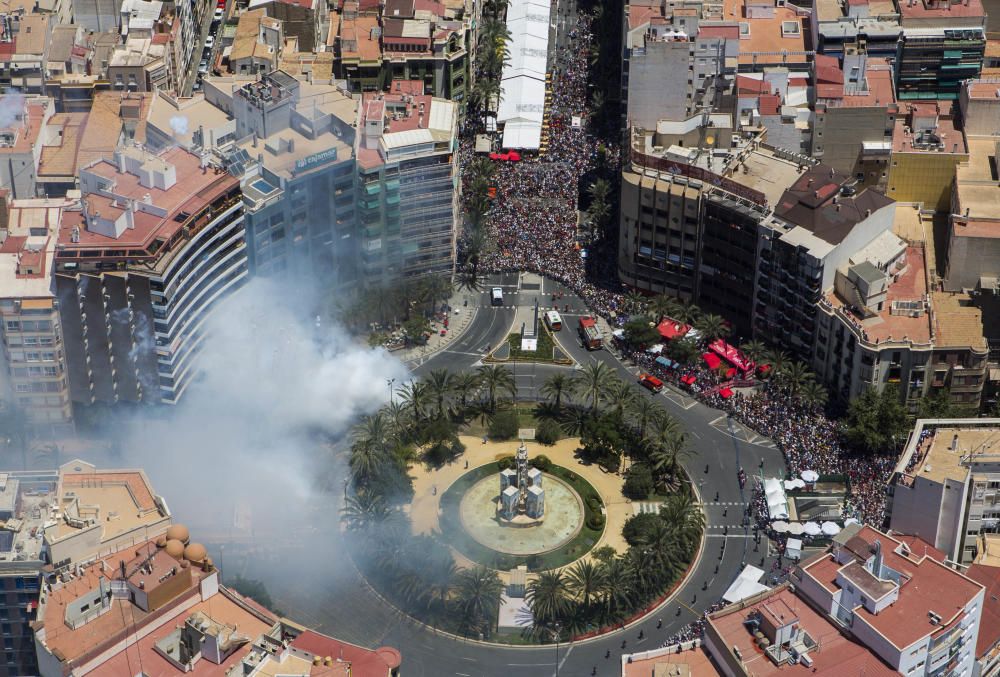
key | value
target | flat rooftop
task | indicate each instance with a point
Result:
(195, 109)
(668, 663)
(768, 173)
(957, 321)
(224, 609)
(911, 286)
(941, 9)
(878, 89)
(976, 180)
(33, 227)
(120, 500)
(945, 140)
(988, 551)
(768, 38)
(839, 655)
(21, 535)
(937, 461)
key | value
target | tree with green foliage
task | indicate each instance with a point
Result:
(252, 588)
(712, 327)
(583, 581)
(683, 350)
(638, 527)
(416, 329)
(813, 394)
(936, 404)
(877, 422)
(477, 599)
(641, 331)
(547, 432)
(643, 412)
(439, 384)
(504, 425)
(464, 385)
(496, 380)
(604, 440)
(638, 482)
(546, 595)
(557, 387)
(593, 383)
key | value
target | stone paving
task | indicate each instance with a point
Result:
(429, 485)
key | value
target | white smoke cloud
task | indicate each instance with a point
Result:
(11, 106)
(179, 125)
(244, 451)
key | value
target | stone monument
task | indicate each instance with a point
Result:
(522, 498)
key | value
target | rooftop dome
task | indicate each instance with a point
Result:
(195, 552)
(174, 548)
(178, 532)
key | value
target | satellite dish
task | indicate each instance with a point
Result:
(710, 140)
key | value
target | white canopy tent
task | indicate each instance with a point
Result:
(777, 503)
(793, 548)
(745, 585)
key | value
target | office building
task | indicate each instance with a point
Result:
(33, 377)
(58, 519)
(946, 485)
(407, 186)
(908, 607)
(156, 245)
(295, 159)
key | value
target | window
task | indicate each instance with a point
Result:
(13, 325)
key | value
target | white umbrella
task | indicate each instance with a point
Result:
(780, 526)
(830, 529)
(796, 529)
(812, 529)
(794, 484)
(849, 521)
(810, 475)
(790, 484)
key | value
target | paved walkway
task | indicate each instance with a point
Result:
(425, 509)
(457, 324)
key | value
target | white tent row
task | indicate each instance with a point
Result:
(777, 503)
(522, 85)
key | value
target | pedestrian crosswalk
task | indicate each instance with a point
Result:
(740, 432)
(640, 507)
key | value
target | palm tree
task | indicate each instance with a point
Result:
(712, 327)
(687, 312)
(477, 596)
(813, 393)
(616, 588)
(363, 511)
(622, 396)
(397, 416)
(583, 581)
(777, 359)
(664, 305)
(463, 385)
(547, 598)
(599, 190)
(556, 387)
(685, 518)
(794, 375)
(754, 350)
(439, 384)
(574, 420)
(416, 396)
(594, 382)
(668, 448)
(438, 580)
(369, 451)
(636, 302)
(644, 411)
(496, 379)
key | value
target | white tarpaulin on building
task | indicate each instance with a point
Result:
(745, 585)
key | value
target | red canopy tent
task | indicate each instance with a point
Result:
(514, 156)
(670, 329)
(711, 360)
(732, 355)
(731, 372)
(725, 393)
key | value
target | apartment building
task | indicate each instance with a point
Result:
(155, 247)
(54, 521)
(867, 26)
(302, 20)
(295, 159)
(143, 64)
(820, 222)
(257, 45)
(407, 185)
(855, 119)
(34, 378)
(908, 607)
(402, 40)
(973, 254)
(946, 485)
(21, 144)
(926, 148)
(942, 44)
(883, 324)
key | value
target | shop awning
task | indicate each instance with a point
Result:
(711, 360)
(725, 393)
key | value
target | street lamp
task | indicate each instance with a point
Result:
(555, 633)
(389, 382)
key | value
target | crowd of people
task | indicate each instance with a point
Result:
(532, 224)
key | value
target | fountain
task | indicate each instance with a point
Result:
(522, 498)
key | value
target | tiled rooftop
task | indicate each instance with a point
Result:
(766, 39)
(695, 661)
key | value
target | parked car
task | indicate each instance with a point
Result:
(219, 13)
(203, 67)
(210, 42)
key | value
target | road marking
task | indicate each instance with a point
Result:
(568, 651)
(463, 674)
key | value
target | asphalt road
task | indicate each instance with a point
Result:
(340, 603)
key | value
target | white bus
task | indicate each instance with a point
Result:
(496, 296)
(553, 320)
